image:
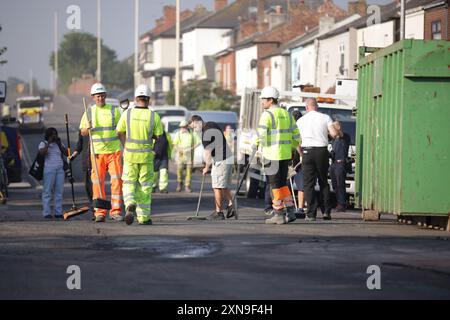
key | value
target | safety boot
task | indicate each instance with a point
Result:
(279, 217)
(129, 216)
(188, 189)
(99, 219)
(179, 187)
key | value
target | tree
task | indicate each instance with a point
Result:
(2, 52)
(203, 95)
(77, 55)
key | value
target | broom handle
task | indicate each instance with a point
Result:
(93, 157)
(70, 162)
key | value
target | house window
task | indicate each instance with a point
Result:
(158, 84)
(149, 52)
(436, 30)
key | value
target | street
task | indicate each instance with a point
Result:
(232, 259)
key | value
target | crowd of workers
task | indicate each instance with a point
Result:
(135, 150)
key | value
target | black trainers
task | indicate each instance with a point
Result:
(129, 216)
(310, 217)
(231, 212)
(326, 216)
(99, 219)
(216, 216)
(290, 215)
(49, 216)
(59, 216)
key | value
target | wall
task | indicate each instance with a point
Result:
(303, 65)
(226, 71)
(201, 42)
(414, 25)
(437, 14)
(245, 76)
(379, 35)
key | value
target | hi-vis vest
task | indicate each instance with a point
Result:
(278, 134)
(104, 120)
(142, 125)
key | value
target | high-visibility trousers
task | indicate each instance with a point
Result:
(111, 162)
(180, 169)
(137, 188)
(282, 197)
(161, 176)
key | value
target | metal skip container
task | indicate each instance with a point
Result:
(403, 130)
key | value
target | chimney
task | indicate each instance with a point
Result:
(357, 7)
(325, 24)
(261, 14)
(169, 14)
(219, 4)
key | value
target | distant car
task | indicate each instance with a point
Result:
(171, 111)
(11, 149)
(29, 112)
(222, 118)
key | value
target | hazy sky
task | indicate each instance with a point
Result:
(28, 29)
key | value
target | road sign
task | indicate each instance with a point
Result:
(2, 91)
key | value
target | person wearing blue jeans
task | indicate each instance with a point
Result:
(55, 154)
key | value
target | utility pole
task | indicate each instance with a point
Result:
(402, 20)
(99, 43)
(30, 88)
(55, 62)
(136, 43)
(177, 56)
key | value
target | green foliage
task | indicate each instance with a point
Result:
(202, 95)
(2, 52)
(77, 55)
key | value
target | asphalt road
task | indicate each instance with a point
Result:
(232, 259)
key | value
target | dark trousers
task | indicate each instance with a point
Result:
(88, 184)
(278, 179)
(268, 197)
(338, 175)
(315, 168)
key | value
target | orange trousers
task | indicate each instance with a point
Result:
(282, 198)
(111, 162)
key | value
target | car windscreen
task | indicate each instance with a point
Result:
(171, 113)
(173, 126)
(30, 104)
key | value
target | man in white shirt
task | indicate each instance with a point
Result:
(314, 130)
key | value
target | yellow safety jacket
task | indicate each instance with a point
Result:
(141, 126)
(104, 121)
(277, 134)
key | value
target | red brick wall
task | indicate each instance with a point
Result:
(441, 14)
(81, 86)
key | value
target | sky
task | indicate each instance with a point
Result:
(28, 30)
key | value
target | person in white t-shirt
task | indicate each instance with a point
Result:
(314, 130)
(55, 154)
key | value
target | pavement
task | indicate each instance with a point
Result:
(232, 259)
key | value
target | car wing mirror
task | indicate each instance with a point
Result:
(124, 104)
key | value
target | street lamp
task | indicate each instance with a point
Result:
(177, 55)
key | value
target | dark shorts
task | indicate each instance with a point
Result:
(298, 179)
(160, 164)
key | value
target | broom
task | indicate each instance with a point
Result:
(74, 211)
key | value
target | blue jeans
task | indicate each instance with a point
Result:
(53, 184)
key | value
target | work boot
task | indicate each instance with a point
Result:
(216, 216)
(290, 215)
(279, 217)
(146, 223)
(326, 216)
(231, 211)
(117, 217)
(340, 208)
(179, 187)
(268, 212)
(129, 216)
(310, 217)
(164, 191)
(188, 189)
(300, 213)
(100, 219)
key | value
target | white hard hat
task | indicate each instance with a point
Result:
(143, 91)
(97, 88)
(270, 92)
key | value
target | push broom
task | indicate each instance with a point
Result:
(74, 211)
